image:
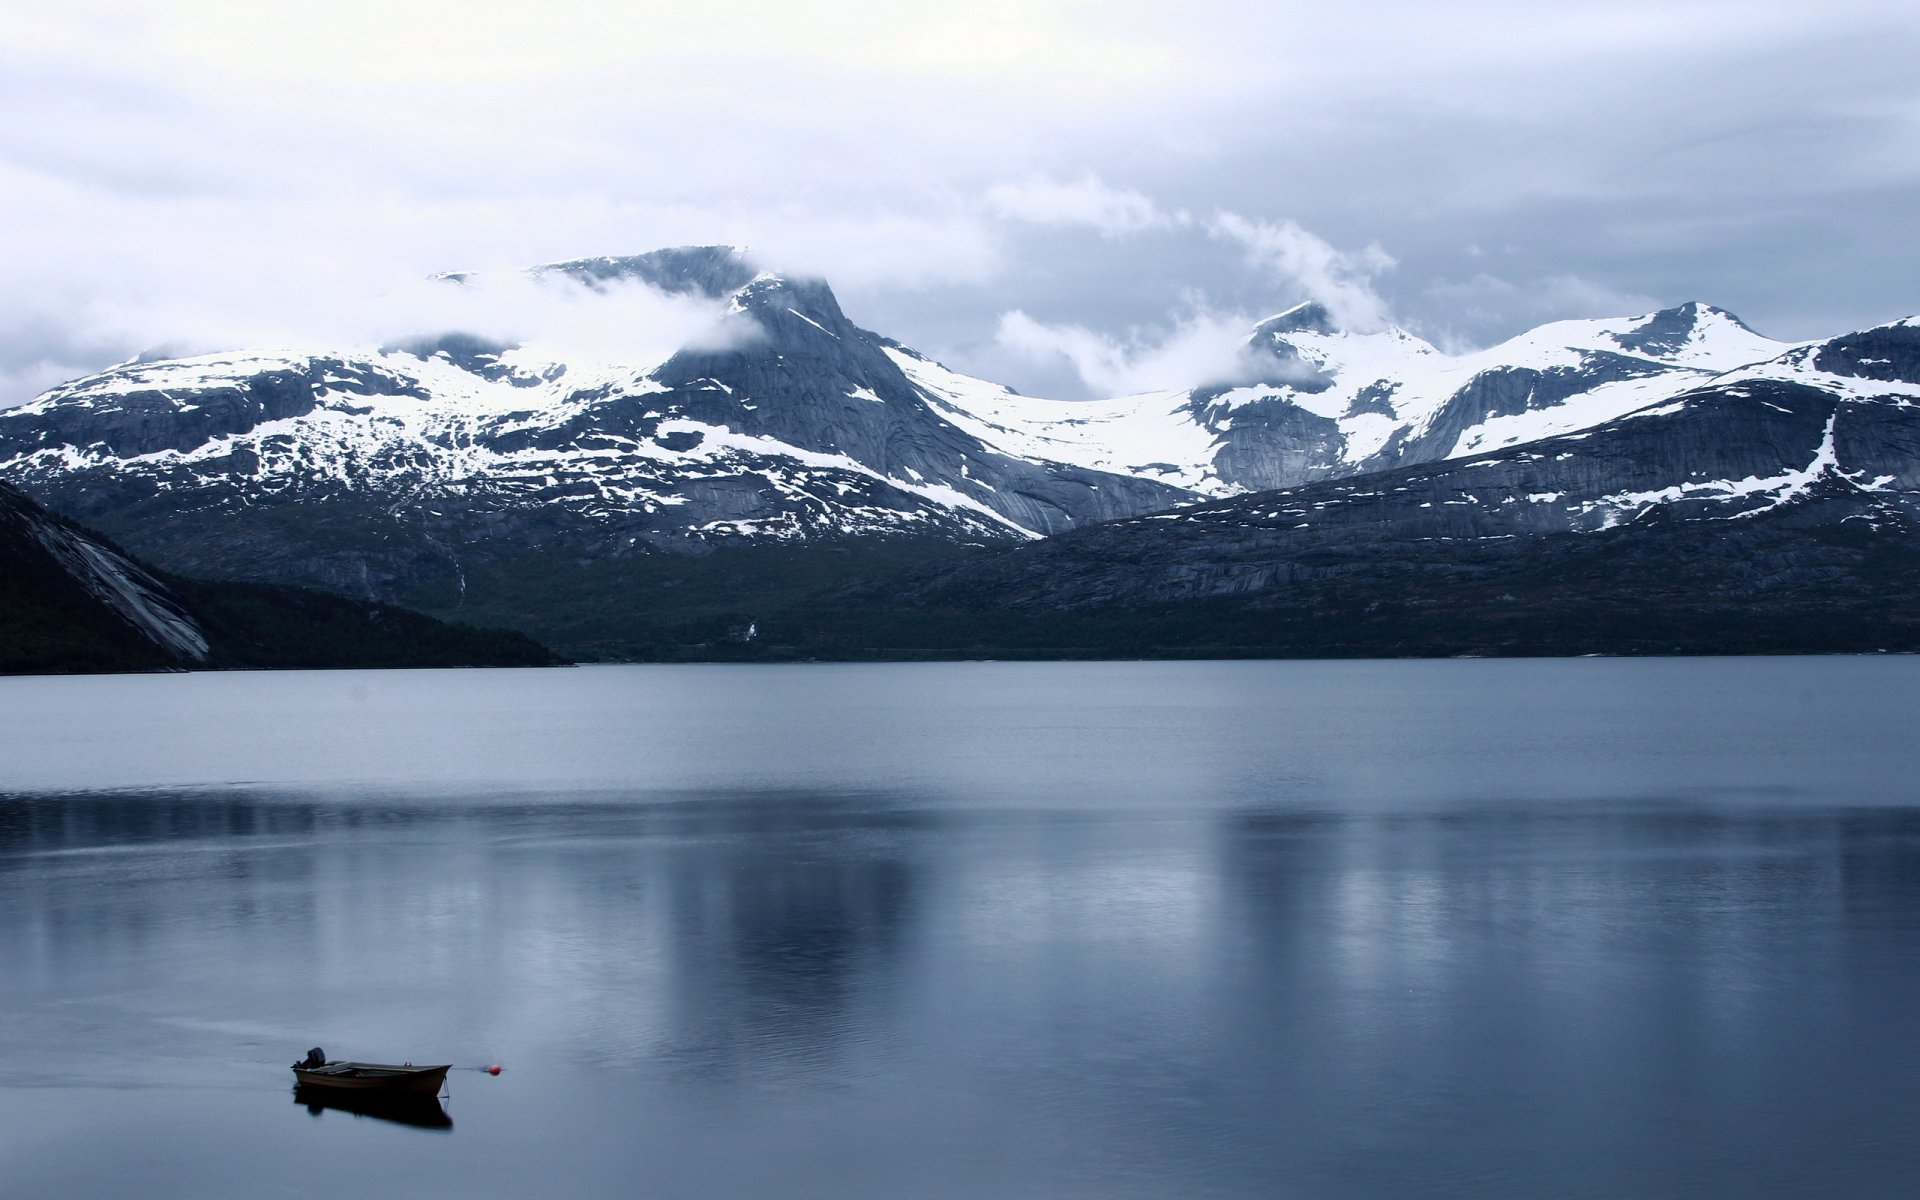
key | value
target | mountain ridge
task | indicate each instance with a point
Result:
(447, 472)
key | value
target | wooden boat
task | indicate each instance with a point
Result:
(381, 1077)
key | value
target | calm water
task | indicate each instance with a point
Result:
(1492, 929)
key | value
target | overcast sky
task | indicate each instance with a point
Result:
(1073, 198)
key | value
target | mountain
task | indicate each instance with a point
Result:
(1315, 402)
(393, 473)
(1834, 422)
(613, 508)
(70, 601)
(1775, 507)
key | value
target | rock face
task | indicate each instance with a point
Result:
(69, 601)
(67, 593)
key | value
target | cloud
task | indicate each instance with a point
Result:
(942, 244)
(928, 160)
(1341, 280)
(561, 319)
(1195, 347)
(218, 271)
(310, 302)
(446, 41)
(1086, 201)
(1201, 342)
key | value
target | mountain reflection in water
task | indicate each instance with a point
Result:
(1230, 982)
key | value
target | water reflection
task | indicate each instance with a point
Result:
(420, 1112)
(705, 938)
(777, 937)
(1508, 997)
(846, 992)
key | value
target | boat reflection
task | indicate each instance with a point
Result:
(422, 1112)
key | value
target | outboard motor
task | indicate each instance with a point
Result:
(316, 1058)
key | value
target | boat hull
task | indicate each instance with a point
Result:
(374, 1077)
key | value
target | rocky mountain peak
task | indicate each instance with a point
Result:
(1310, 317)
(712, 271)
(1670, 330)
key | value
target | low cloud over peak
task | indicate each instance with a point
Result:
(214, 170)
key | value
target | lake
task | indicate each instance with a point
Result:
(1571, 928)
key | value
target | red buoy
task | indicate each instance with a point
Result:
(494, 1069)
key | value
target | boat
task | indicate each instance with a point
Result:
(318, 1071)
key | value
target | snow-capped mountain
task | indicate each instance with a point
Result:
(1318, 402)
(785, 422)
(1823, 437)
(415, 470)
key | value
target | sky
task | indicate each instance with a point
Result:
(1072, 198)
